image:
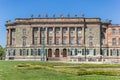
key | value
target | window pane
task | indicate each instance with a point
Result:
(72, 30)
(79, 30)
(64, 40)
(50, 30)
(57, 30)
(79, 41)
(90, 41)
(64, 30)
(113, 31)
(114, 41)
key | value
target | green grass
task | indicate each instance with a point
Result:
(34, 70)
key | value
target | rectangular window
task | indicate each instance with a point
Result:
(79, 41)
(72, 41)
(57, 30)
(35, 41)
(79, 30)
(114, 52)
(42, 41)
(114, 41)
(64, 30)
(13, 32)
(64, 41)
(50, 41)
(90, 30)
(35, 30)
(50, 30)
(35, 52)
(24, 41)
(119, 31)
(113, 31)
(72, 30)
(57, 41)
(13, 41)
(24, 31)
(90, 41)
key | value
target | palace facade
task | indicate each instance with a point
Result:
(62, 39)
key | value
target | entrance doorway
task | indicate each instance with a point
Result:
(49, 52)
(57, 53)
(64, 53)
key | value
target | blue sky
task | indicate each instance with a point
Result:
(11, 9)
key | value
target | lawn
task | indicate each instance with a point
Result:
(35, 70)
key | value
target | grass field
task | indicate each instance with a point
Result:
(34, 70)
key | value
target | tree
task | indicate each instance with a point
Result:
(2, 52)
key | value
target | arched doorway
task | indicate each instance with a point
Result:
(64, 53)
(57, 53)
(49, 52)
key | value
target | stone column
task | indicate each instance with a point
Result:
(75, 35)
(83, 43)
(53, 51)
(7, 31)
(31, 35)
(61, 51)
(61, 36)
(39, 35)
(54, 36)
(10, 37)
(68, 36)
(46, 36)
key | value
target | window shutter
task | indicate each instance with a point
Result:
(110, 52)
(82, 51)
(94, 52)
(87, 51)
(117, 52)
(101, 52)
(75, 51)
(27, 52)
(20, 52)
(39, 52)
(107, 53)
(31, 51)
(14, 52)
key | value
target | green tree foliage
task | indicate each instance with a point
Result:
(2, 52)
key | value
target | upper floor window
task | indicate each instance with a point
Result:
(90, 30)
(79, 30)
(71, 40)
(57, 40)
(24, 41)
(72, 30)
(102, 41)
(113, 31)
(114, 41)
(50, 41)
(50, 30)
(119, 31)
(35, 41)
(79, 41)
(13, 32)
(35, 30)
(64, 30)
(90, 41)
(114, 52)
(57, 30)
(13, 41)
(64, 40)
(24, 31)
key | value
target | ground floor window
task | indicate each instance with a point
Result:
(11, 52)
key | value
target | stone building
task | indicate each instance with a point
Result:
(57, 39)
